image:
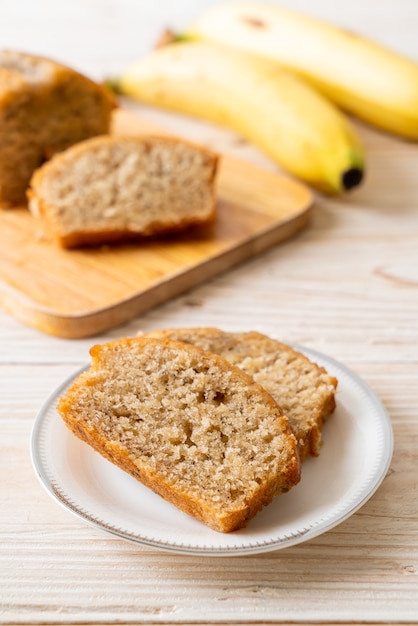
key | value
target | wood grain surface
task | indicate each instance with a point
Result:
(78, 293)
(346, 286)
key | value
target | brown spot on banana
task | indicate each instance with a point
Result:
(254, 22)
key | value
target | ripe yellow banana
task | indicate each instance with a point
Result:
(292, 123)
(375, 84)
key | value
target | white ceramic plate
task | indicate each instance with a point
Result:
(354, 459)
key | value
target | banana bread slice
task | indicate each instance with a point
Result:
(304, 391)
(118, 188)
(45, 107)
(186, 423)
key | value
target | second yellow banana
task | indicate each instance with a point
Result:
(294, 125)
(364, 78)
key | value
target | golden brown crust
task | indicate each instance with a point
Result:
(45, 107)
(194, 501)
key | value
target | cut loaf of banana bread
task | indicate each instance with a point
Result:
(45, 107)
(304, 391)
(118, 188)
(186, 423)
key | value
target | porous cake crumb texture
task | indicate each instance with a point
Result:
(196, 429)
(111, 188)
(305, 391)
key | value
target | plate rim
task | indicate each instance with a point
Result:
(324, 524)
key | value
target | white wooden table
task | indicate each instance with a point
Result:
(347, 286)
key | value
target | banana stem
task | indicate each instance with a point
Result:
(351, 178)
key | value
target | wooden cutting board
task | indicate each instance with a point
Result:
(78, 293)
